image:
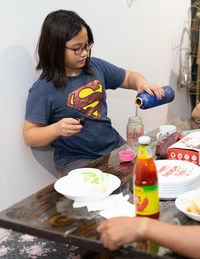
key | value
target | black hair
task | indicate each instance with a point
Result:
(58, 28)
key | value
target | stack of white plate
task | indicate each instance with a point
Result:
(176, 177)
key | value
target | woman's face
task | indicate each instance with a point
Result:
(75, 62)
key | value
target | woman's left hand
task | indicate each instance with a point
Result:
(136, 81)
(151, 88)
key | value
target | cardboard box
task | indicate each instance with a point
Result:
(188, 149)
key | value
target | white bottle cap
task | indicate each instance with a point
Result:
(144, 140)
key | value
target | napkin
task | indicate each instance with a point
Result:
(115, 205)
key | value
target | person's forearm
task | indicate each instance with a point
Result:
(196, 112)
(133, 80)
(40, 136)
(136, 80)
(184, 240)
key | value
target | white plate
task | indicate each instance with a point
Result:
(186, 132)
(176, 177)
(177, 172)
(86, 184)
(184, 200)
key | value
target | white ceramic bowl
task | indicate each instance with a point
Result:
(184, 200)
(87, 184)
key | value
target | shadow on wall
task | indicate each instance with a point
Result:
(181, 98)
(44, 156)
(16, 77)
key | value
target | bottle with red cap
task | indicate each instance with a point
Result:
(145, 181)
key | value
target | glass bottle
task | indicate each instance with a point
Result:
(134, 130)
(145, 181)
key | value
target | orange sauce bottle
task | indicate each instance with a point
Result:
(145, 181)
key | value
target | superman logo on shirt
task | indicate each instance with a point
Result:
(87, 99)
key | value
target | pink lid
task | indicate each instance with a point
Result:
(126, 155)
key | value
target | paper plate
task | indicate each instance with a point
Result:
(87, 184)
(174, 171)
(184, 200)
(176, 177)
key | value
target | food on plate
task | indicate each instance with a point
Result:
(194, 206)
(99, 190)
(99, 181)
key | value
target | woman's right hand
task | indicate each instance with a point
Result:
(36, 134)
(68, 127)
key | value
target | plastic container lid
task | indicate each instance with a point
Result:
(126, 155)
(144, 140)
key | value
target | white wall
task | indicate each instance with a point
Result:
(154, 35)
(145, 37)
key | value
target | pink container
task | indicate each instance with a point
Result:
(126, 155)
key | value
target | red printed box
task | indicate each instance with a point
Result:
(188, 149)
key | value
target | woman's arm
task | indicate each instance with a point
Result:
(36, 134)
(184, 240)
(136, 81)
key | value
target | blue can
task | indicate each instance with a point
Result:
(145, 101)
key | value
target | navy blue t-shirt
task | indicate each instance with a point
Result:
(84, 96)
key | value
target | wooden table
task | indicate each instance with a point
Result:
(49, 215)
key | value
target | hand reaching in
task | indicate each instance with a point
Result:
(118, 231)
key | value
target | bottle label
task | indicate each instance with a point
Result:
(146, 199)
(144, 152)
(133, 133)
(147, 246)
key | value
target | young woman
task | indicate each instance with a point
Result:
(71, 86)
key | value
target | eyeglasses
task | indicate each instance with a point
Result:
(80, 50)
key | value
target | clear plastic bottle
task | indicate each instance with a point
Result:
(134, 130)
